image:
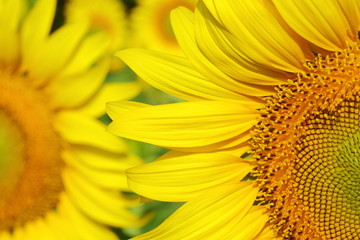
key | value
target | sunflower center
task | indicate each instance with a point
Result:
(30, 163)
(307, 144)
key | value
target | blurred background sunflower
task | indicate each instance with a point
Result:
(86, 187)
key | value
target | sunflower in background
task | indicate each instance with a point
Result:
(150, 24)
(108, 16)
(268, 145)
(62, 176)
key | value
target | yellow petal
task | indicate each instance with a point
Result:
(103, 206)
(38, 229)
(89, 51)
(252, 45)
(174, 75)
(36, 28)
(117, 109)
(71, 92)
(103, 160)
(80, 225)
(351, 9)
(210, 216)
(5, 235)
(11, 13)
(186, 125)
(58, 226)
(250, 225)
(56, 51)
(108, 179)
(113, 91)
(82, 130)
(181, 178)
(182, 22)
(322, 23)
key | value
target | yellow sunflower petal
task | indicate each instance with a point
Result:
(174, 75)
(56, 51)
(36, 28)
(115, 110)
(106, 207)
(181, 178)
(80, 225)
(107, 179)
(74, 128)
(351, 9)
(323, 23)
(182, 21)
(10, 13)
(103, 160)
(18, 234)
(71, 92)
(114, 91)
(256, 46)
(4, 235)
(40, 230)
(88, 53)
(187, 124)
(210, 216)
(59, 227)
(250, 225)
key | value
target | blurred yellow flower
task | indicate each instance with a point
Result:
(104, 15)
(150, 24)
(61, 174)
(268, 145)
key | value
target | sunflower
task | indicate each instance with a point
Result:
(150, 24)
(267, 146)
(62, 176)
(104, 15)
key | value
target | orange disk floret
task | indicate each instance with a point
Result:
(30, 180)
(307, 147)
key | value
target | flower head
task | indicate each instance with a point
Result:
(268, 145)
(61, 173)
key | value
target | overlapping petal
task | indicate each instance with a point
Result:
(186, 82)
(328, 28)
(56, 51)
(77, 224)
(35, 29)
(74, 128)
(218, 212)
(11, 12)
(255, 41)
(182, 21)
(186, 125)
(183, 177)
(91, 48)
(74, 91)
(110, 92)
(90, 199)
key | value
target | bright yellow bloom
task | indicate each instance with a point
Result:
(61, 174)
(150, 24)
(104, 15)
(277, 79)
